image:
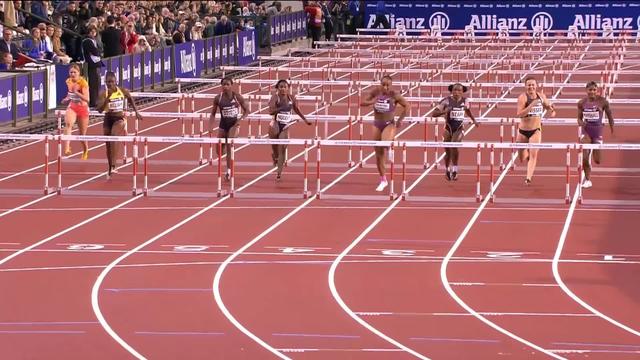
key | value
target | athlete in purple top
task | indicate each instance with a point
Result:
(280, 107)
(531, 107)
(229, 102)
(454, 107)
(590, 111)
(384, 101)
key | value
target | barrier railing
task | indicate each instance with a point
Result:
(152, 69)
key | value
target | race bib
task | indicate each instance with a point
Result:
(284, 118)
(381, 106)
(536, 111)
(457, 114)
(591, 115)
(230, 112)
(116, 105)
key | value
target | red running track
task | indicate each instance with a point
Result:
(160, 299)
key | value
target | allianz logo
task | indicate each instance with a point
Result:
(492, 22)
(598, 22)
(5, 102)
(22, 97)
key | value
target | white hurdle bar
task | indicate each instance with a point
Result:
(318, 143)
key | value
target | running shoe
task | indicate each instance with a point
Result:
(527, 181)
(85, 155)
(227, 175)
(383, 184)
(67, 151)
(447, 174)
(454, 175)
(278, 177)
(587, 184)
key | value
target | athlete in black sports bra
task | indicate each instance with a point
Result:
(531, 107)
(455, 108)
(281, 105)
(229, 102)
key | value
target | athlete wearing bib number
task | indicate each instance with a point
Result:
(78, 109)
(229, 102)
(281, 106)
(590, 110)
(454, 108)
(113, 102)
(531, 107)
(384, 101)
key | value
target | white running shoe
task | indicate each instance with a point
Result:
(587, 184)
(382, 185)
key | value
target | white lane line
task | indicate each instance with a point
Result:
(443, 267)
(563, 286)
(96, 287)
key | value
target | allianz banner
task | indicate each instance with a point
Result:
(516, 15)
(247, 47)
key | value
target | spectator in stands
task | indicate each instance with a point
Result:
(7, 46)
(34, 46)
(94, 62)
(327, 20)
(381, 16)
(6, 61)
(274, 8)
(340, 13)
(154, 41)
(69, 21)
(111, 39)
(39, 9)
(58, 46)
(129, 38)
(142, 45)
(178, 36)
(45, 37)
(196, 31)
(315, 21)
(224, 26)
(209, 26)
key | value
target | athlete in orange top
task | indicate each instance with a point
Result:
(78, 99)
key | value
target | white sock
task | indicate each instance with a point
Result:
(455, 168)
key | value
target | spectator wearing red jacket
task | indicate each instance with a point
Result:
(129, 38)
(315, 20)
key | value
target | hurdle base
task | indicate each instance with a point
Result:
(274, 196)
(349, 197)
(27, 191)
(102, 193)
(440, 199)
(530, 201)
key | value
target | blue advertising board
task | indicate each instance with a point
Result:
(37, 92)
(136, 68)
(210, 60)
(157, 66)
(125, 81)
(516, 15)
(167, 73)
(23, 98)
(217, 46)
(224, 48)
(232, 48)
(147, 74)
(185, 60)
(199, 57)
(114, 66)
(247, 47)
(6, 99)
